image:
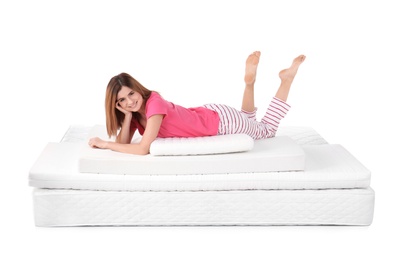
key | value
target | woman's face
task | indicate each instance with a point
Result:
(129, 100)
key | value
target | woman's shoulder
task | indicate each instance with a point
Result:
(155, 96)
(156, 104)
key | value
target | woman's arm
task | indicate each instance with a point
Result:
(124, 136)
(142, 148)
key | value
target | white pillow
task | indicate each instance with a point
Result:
(202, 145)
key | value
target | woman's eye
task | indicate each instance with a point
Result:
(131, 93)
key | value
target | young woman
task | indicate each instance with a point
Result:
(130, 106)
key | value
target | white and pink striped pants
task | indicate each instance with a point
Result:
(233, 121)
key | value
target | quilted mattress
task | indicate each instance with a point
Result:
(333, 190)
(248, 207)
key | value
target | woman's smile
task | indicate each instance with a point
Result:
(133, 105)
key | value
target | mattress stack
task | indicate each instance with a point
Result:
(296, 178)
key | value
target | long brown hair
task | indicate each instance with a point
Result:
(114, 118)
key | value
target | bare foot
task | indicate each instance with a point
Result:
(289, 73)
(251, 67)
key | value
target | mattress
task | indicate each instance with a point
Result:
(251, 207)
(327, 167)
(334, 189)
(273, 154)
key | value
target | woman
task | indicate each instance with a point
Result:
(130, 106)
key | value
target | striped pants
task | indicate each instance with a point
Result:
(233, 121)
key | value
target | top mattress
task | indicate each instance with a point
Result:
(273, 154)
(328, 166)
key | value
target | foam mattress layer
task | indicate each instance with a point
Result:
(253, 207)
(273, 154)
(327, 167)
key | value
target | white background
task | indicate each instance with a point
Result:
(57, 57)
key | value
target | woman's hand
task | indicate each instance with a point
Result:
(118, 107)
(98, 143)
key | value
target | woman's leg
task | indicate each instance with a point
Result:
(287, 76)
(250, 78)
(277, 108)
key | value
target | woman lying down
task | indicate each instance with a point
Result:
(130, 106)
